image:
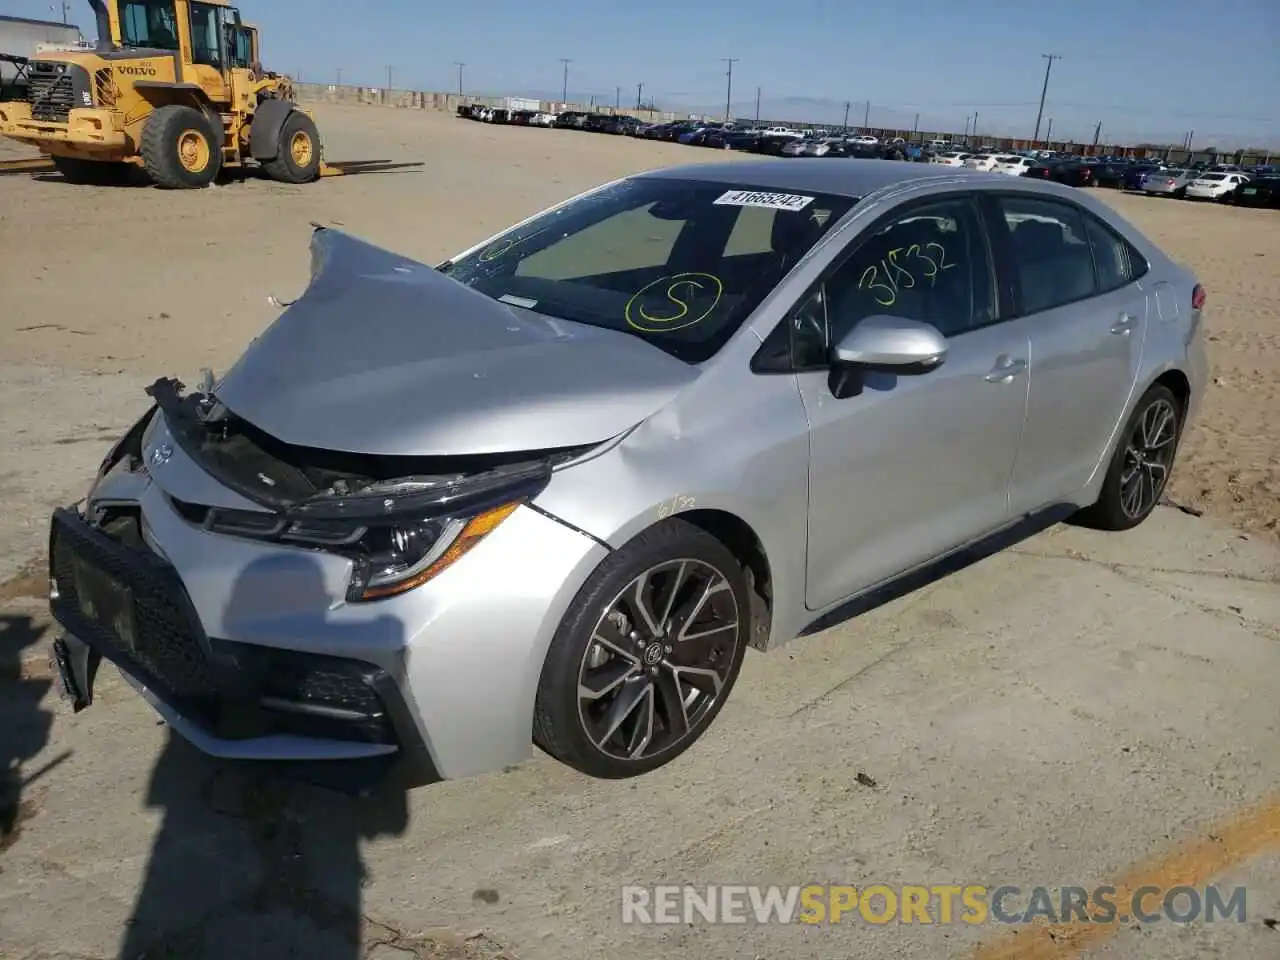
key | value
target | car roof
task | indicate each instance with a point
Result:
(822, 175)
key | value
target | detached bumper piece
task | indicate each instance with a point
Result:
(128, 605)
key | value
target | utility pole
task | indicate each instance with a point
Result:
(1191, 135)
(975, 124)
(866, 117)
(389, 68)
(564, 93)
(459, 64)
(617, 99)
(728, 94)
(967, 118)
(1097, 133)
(757, 106)
(1048, 134)
(339, 76)
(915, 124)
(846, 116)
(1044, 91)
(639, 90)
(66, 8)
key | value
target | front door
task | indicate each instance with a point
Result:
(913, 465)
(1087, 316)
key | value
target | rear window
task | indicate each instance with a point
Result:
(1213, 176)
(678, 263)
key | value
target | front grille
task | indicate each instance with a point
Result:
(51, 94)
(233, 690)
(169, 651)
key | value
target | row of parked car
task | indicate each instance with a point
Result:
(1253, 186)
(1227, 183)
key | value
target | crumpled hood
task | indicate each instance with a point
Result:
(384, 355)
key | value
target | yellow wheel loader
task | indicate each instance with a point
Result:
(174, 87)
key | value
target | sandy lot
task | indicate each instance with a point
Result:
(1082, 709)
(140, 283)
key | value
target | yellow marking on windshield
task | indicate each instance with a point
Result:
(691, 285)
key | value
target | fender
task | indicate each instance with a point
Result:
(264, 132)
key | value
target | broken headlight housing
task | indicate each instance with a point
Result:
(399, 534)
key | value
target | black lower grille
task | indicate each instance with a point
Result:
(131, 607)
(51, 96)
(100, 580)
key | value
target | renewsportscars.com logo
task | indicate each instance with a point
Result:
(939, 904)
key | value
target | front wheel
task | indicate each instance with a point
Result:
(646, 655)
(180, 149)
(1140, 467)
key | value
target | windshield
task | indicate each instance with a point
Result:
(678, 263)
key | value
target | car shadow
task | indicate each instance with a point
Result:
(250, 862)
(25, 724)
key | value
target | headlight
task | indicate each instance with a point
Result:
(402, 556)
(398, 533)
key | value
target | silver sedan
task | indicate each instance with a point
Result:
(550, 490)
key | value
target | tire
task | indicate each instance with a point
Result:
(652, 672)
(298, 160)
(91, 172)
(1114, 508)
(180, 150)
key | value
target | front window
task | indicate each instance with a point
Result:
(242, 47)
(678, 263)
(149, 24)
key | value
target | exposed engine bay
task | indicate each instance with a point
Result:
(299, 481)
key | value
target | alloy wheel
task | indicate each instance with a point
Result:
(1148, 456)
(658, 659)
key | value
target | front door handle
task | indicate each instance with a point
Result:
(1005, 370)
(1124, 326)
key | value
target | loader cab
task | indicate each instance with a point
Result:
(207, 37)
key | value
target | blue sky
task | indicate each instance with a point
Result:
(1145, 69)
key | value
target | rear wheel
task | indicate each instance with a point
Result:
(180, 150)
(1140, 466)
(646, 655)
(298, 160)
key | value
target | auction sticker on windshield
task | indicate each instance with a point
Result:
(769, 201)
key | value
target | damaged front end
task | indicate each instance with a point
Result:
(401, 520)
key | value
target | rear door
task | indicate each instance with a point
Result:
(1078, 285)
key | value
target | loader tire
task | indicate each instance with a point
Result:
(298, 159)
(180, 150)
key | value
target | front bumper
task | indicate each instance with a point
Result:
(88, 130)
(250, 650)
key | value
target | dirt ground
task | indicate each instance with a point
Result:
(150, 283)
(1078, 709)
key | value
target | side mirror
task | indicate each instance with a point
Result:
(895, 344)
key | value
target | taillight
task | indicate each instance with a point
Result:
(1197, 298)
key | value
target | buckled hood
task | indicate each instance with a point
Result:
(385, 355)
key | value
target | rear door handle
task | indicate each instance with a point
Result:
(1005, 370)
(1124, 326)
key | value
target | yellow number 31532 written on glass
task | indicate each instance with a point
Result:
(883, 280)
